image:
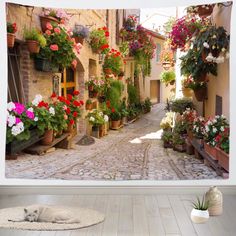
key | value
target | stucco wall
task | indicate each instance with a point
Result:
(219, 85)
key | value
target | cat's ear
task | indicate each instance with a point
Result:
(25, 210)
(36, 211)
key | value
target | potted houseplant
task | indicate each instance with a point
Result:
(130, 23)
(99, 40)
(167, 137)
(115, 118)
(222, 140)
(60, 48)
(93, 86)
(181, 104)
(89, 104)
(146, 105)
(80, 33)
(34, 40)
(213, 127)
(11, 30)
(112, 62)
(167, 58)
(56, 16)
(188, 117)
(199, 129)
(187, 92)
(200, 213)
(168, 77)
(178, 142)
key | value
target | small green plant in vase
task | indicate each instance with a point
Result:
(200, 213)
(168, 77)
(35, 40)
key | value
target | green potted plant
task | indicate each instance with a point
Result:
(181, 104)
(59, 50)
(34, 39)
(213, 127)
(186, 91)
(112, 62)
(99, 40)
(167, 137)
(11, 30)
(167, 122)
(200, 213)
(80, 33)
(146, 105)
(199, 129)
(179, 142)
(89, 104)
(222, 140)
(115, 118)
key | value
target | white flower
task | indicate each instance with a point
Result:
(222, 128)
(207, 129)
(106, 118)
(220, 59)
(36, 118)
(209, 57)
(31, 109)
(92, 119)
(38, 98)
(17, 129)
(11, 120)
(213, 47)
(214, 130)
(214, 36)
(214, 121)
(223, 49)
(100, 113)
(206, 45)
(213, 143)
(11, 106)
(52, 111)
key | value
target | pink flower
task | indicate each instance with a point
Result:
(30, 115)
(48, 32)
(49, 26)
(54, 47)
(57, 30)
(18, 120)
(74, 63)
(19, 108)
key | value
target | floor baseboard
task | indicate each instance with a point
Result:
(75, 190)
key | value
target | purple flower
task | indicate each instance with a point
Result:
(30, 115)
(19, 108)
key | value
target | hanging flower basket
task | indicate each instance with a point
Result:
(33, 46)
(45, 19)
(10, 40)
(172, 82)
(187, 92)
(166, 65)
(205, 10)
(201, 94)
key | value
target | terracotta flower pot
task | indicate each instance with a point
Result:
(79, 40)
(89, 106)
(201, 94)
(187, 92)
(48, 137)
(223, 159)
(211, 151)
(167, 144)
(10, 40)
(102, 130)
(204, 12)
(107, 71)
(190, 134)
(172, 82)
(45, 19)
(115, 124)
(33, 46)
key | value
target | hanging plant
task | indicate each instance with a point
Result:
(80, 33)
(11, 30)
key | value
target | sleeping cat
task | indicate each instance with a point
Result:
(44, 213)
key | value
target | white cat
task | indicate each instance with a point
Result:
(45, 213)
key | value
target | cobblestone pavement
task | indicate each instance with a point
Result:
(132, 153)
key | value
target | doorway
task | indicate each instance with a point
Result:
(155, 91)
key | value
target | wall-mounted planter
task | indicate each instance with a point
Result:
(45, 19)
(33, 46)
(201, 94)
(211, 151)
(10, 40)
(42, 64)
(223, 159)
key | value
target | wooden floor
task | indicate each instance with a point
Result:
(133, 215)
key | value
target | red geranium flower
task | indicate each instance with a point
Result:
(76, 92)
(43, 104)
(54, 47)
(107, 34)
(67, 102)
(68, 111)
(81, 102)
(69, 97)
(53, 95)
(76, 103)
(113, 110)
(72, 122)
(75, 114)
(108, 103)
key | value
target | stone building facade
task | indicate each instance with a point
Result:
(34, 82)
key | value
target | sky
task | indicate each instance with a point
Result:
(154, 18)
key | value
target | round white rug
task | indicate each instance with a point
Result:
(87, 218)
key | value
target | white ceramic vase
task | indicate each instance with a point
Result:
(199, 217)
(215, 198)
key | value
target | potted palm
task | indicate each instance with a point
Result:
(168, 77)
(80, 33)
(11, 30)
(200, 213)
(34, 40)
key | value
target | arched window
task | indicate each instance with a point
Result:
(158, 52)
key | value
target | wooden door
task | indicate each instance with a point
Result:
(68, 82)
